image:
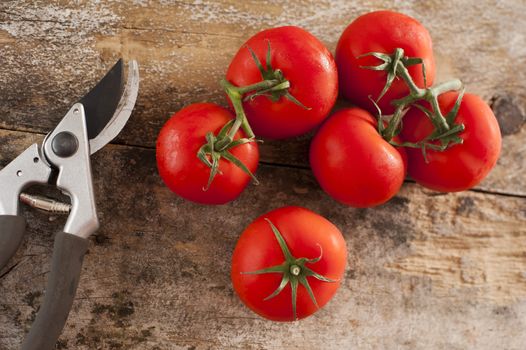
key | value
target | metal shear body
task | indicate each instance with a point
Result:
(63, 160)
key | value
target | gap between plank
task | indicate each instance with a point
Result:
(277, 165)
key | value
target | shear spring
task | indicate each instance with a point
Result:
(46, 204)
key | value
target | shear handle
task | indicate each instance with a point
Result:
(12, 229)
(66, 266)
(66, 148)
(26, 169)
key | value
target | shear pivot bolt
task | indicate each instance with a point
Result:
(65, 144)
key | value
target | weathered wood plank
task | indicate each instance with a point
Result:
(425, 271)
(53, 51)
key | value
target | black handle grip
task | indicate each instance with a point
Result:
(12, 229)
(68, 254)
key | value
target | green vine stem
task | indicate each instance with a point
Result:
(293, 270)
(235, 94)
(445, 130)
(273, 85)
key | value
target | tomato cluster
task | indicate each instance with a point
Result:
(447, 141)
(283, 82)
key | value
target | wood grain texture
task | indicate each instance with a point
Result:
(54, 51)
(425, 271)
(450, 266)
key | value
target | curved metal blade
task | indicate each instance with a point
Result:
(100, 103)
(121, 113)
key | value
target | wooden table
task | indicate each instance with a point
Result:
(425, 271)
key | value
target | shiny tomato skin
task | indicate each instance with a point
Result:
(181, 170)
(461, 166)
(304, 232)
(310, 69)
(381, 31)
(353, 163)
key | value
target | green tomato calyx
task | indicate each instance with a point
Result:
(294, 271)
(280, 89)
(210, 153)
(446, 132)
(274, 86)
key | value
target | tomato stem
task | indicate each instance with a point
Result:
(274, 85)
(445, 131)
(235, 94)
(262, 85)
(403, 73)
(394, 123)
(450, 85)
(295, 270)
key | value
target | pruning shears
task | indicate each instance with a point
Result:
(63, 160)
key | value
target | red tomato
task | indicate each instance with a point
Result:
(461, 166)
(181, 170)
(353, 163)
(306, 64)
(381, 31)
(307, 235)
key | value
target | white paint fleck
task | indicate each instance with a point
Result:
(38, 22)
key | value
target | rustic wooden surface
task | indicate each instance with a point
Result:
(425, 271)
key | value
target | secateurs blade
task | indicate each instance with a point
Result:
(65, 152)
